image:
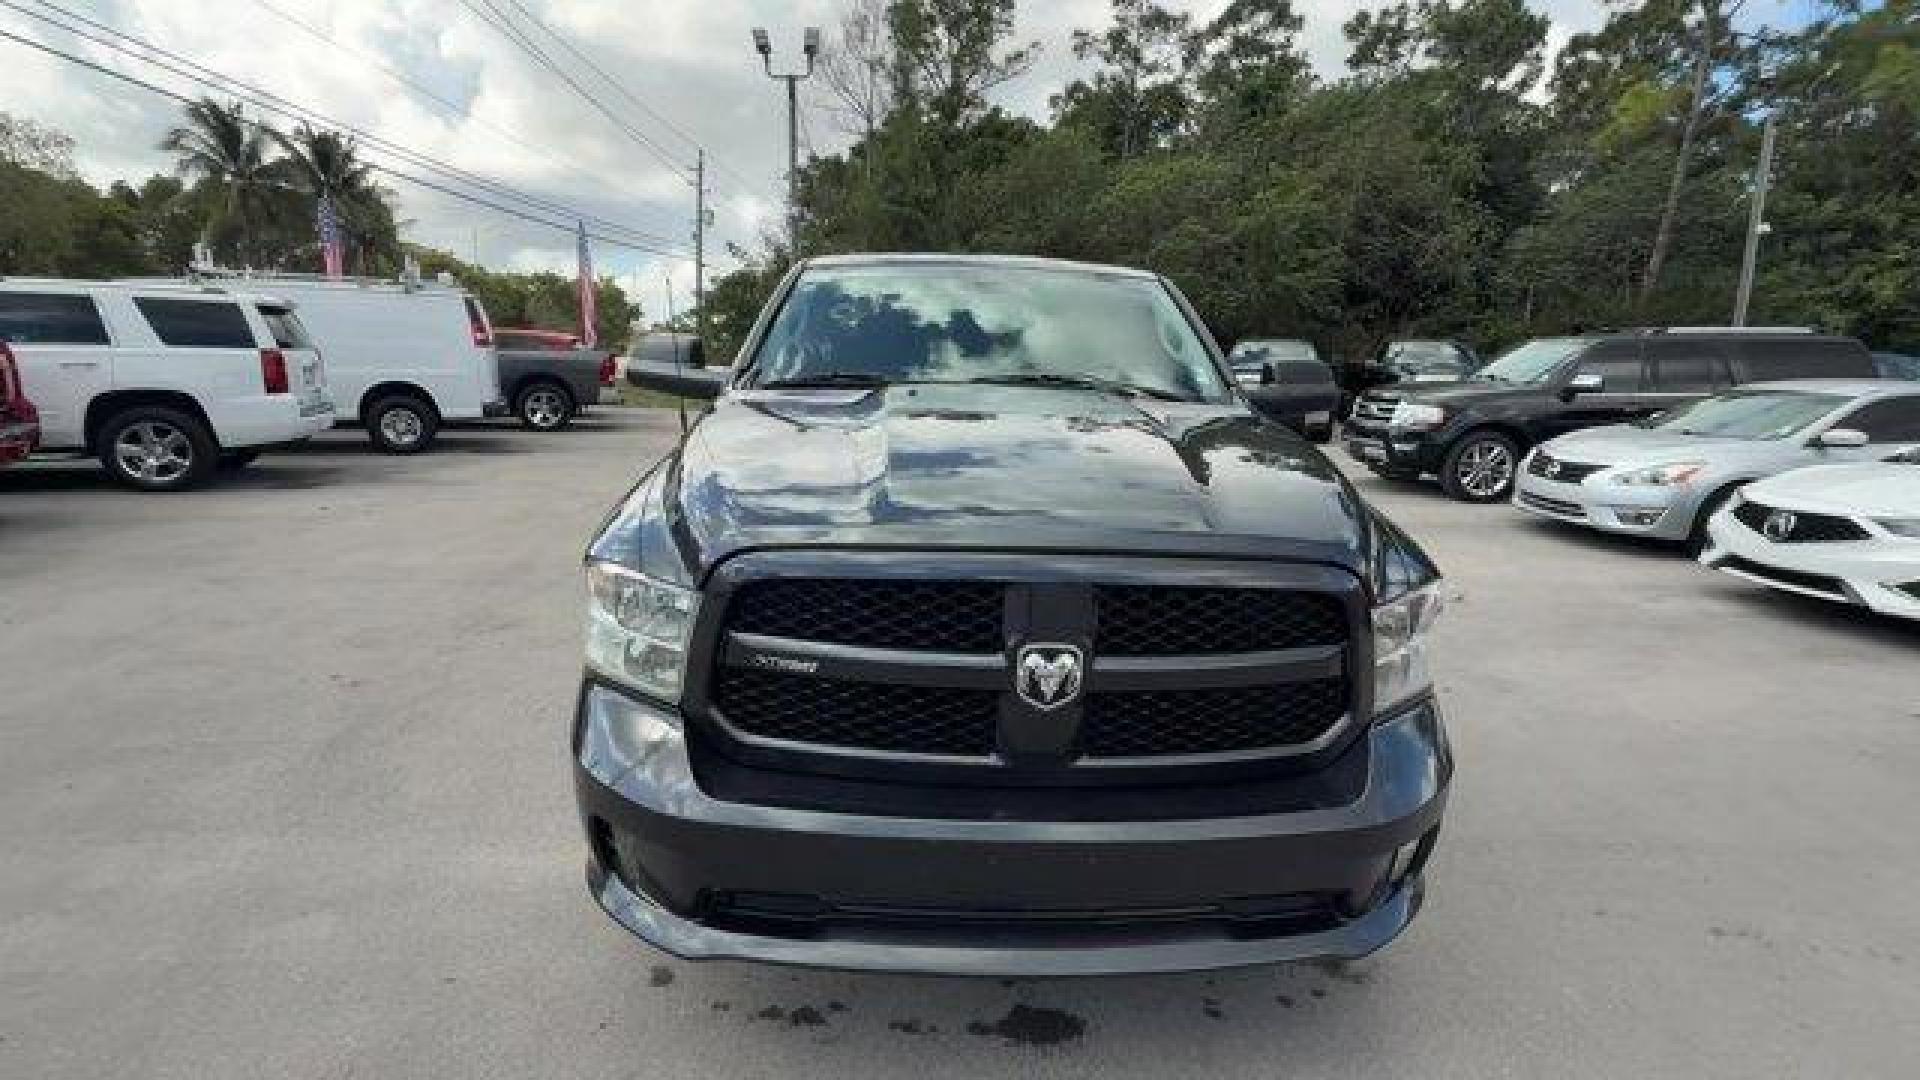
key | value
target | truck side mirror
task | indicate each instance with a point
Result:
(1841, 439)
(1587, 382)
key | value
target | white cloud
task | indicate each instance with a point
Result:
(690, 61)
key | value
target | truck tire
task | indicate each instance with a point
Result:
(544, 405)
(402, 424)
(154, 448)
(1480, 467)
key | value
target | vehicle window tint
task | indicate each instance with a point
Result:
(1682, 365)
(1616, 362)
(1302, 373)
(1896, 420)
(1813, 358)
(28, 318)
(288, 332)
(196, 324)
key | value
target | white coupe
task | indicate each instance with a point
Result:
(1849, 533)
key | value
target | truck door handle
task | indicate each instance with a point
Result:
(79, 363)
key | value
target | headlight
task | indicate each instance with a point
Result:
(1672, 474)
(637, 629)
(1412, 416)
(1907, 527)
(1402, 630)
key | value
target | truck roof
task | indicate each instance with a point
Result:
(935, 258)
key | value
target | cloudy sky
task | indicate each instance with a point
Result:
(437, 79)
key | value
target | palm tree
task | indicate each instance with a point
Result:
(326, 164)
(226, 154)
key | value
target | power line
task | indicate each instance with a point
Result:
(632, 237)
(376, 166)
(622, 89)
(542, 59)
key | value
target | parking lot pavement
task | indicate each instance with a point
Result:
(284, 791)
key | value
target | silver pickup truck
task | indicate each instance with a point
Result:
(548, 377)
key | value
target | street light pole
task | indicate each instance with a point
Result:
(810, 47)
(1756, 223)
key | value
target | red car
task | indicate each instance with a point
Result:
(19, 423)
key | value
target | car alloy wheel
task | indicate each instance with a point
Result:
(544, 408)
(401, 426)
(1485, 469)
(154, 452)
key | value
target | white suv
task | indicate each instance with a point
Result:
(164, 385)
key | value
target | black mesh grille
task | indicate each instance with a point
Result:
(1160, 620)
(1552, 506)
(934, 616)
(1817, 582)
(1567, 472)
(867, 716)
(1807, 528)
(1212, 721)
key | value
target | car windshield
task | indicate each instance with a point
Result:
(1272, 352)
(1418, 355)
(957, 323)
(1532, 362)
(1747, 414)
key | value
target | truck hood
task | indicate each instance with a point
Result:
(1458, 393)
(1005, 468)
(1871, 488)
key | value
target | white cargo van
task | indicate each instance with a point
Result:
(402, 357)
(165, 384)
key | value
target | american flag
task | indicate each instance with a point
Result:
(333, 242)
(589, 307)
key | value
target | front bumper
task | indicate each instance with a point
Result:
(1874, 574)
(992, 896)
(1663, 513)
(1390, 450)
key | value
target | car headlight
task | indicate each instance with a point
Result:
(637, 629)
(1402, 632)
(1672, 474)
(1907, 527)
(1412, 416)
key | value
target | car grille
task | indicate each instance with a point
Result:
(935, 616)
(1819, 583)
(1158, 620)
(1211, 721)
(1548, 467)
(937, 720)
(826, 671)
(1559, 507)
(1374, 409)
(1807, 528)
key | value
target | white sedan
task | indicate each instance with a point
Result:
(1848, 533)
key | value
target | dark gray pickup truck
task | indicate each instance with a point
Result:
(548, 377)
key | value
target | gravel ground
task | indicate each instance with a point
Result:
(284, 791)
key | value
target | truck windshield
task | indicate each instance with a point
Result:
(1748, 414)
(1532, 362)
(954, 323)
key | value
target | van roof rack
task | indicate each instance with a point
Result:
(1729, 330)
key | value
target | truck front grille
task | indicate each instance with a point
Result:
(936, 720)
(841, 670)
(1373, 409)
(1221, 720)
(1167, 620)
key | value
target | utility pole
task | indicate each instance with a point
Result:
(810, 47)
(700, 247)
(1756, 223)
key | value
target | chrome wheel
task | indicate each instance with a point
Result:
(401, 426)
(544, 408)
(153, 452)
(1485, 469)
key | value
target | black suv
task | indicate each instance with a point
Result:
(1473, 434)
(981, 626)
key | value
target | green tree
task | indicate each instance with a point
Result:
(227, 155)
(326, 164)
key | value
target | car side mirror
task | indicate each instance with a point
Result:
(1841, 438)
(1267, 377)
(1587, 382)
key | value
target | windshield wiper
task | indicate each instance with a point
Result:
(825, 378)
(1085, 382)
